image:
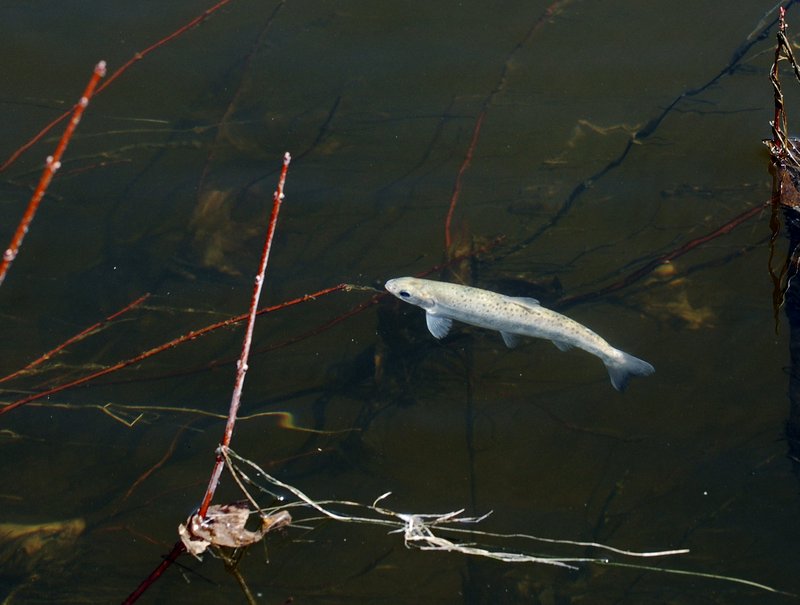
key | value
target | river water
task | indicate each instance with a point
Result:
(576, 141)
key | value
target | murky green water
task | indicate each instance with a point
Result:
(166, 189)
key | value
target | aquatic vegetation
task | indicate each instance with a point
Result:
(364, 392)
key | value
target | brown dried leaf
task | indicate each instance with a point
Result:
(224, 525)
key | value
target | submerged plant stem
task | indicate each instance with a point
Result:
(51, 166)
(241, 366)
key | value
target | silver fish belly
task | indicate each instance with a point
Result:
(444, 302)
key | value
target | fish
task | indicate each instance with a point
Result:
(444, 302)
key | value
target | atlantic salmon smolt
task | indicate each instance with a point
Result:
(513, 317)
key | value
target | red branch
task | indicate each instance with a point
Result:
(779, 123)
(642, 271)
(457, 187)
(176, 552)
(164, 459)
(241, 370)
(52, 165)
(136, 57)
(241, 366)
(78, 337)
(545, 17)
(165, 346)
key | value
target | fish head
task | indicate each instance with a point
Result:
(412, 290)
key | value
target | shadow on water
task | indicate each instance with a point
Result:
(606, 142)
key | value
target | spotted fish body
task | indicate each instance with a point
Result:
(512, 317)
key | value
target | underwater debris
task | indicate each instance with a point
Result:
(224, 525)
(26, 548)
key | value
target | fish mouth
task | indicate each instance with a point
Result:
(394, 288)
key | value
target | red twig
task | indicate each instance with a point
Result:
(779, 123)
(178, 32)
(78, 337)
(52, 165)
(241, 370)
(781, 146)
(241, 366)
(641, 272)
(457, 187)
(165, 346)
(136, 57)
(176, 552)
(164, 459)
(498, 88)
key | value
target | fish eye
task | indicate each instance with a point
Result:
(405, 294)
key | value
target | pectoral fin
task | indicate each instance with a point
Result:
(438, 325)
(562, 346)
(511, 340)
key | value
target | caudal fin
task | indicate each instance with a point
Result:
(620, 370)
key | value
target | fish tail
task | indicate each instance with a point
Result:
(621, 369)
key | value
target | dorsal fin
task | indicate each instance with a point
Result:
(524, 301)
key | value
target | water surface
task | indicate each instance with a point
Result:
(610, 133)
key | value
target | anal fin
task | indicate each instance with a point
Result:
(511, 340)
(562, 346)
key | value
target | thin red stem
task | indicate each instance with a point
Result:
(165, 346)
(52, 165)
(487, 102)
(178, 32)
(241, 366)
(457, 187)
(164, 459)
(641, 272)
(241, 370)
(779, 123)
(176, 552)
(136, 57)
(78, 337)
